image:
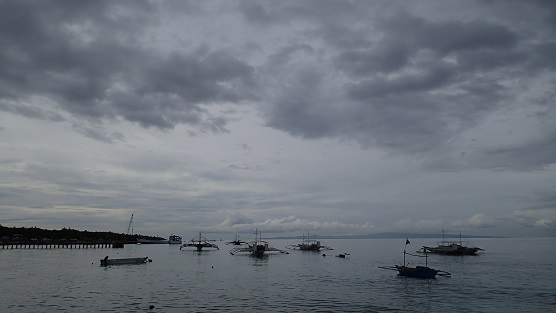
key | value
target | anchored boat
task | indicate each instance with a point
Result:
(342, 255)
(424, 272)
(106, 261)
(236, 242)
(199, 243)
(451, 247)
(308, 244)
(257, 248)
(174, 240)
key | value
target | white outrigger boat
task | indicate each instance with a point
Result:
(199, 243)
(257, 248)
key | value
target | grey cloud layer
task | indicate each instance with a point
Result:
(381, 73)
(92, 62)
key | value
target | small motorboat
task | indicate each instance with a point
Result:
(107, 261)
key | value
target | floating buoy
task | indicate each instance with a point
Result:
(151, 306)
(324, 254)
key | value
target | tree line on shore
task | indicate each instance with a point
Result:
(38, 234)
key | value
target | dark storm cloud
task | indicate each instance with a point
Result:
(90, 60)
(411, 83)
(401, 77)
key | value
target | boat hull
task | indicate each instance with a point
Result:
(417, 272)
(259, 251)
(106, 261)
(459, 250)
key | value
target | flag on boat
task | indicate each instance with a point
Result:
(407, 241)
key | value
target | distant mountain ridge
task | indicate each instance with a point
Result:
(389, 235)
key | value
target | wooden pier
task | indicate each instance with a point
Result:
(60, 244)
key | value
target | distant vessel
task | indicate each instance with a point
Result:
(106, 261)
(199, 243)
(451, 247)
(257, 248)
(174, 240)
(424, 272)
(308, 244)
(236, 242)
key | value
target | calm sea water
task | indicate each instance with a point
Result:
(512, 275)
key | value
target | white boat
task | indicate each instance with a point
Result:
(174, 240)
(257, 248)
(106, 261)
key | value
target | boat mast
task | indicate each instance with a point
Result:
(257, 235)
(443, 235)
(404, 251)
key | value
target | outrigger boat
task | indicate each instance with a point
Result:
(106, 261)
(451, 247)
(236, 242)
(257, 248)
(424, 272)
(309, 245)
(199, 243)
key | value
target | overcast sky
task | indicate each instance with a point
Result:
(333, 117)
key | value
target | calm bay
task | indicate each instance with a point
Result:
(511, 275)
